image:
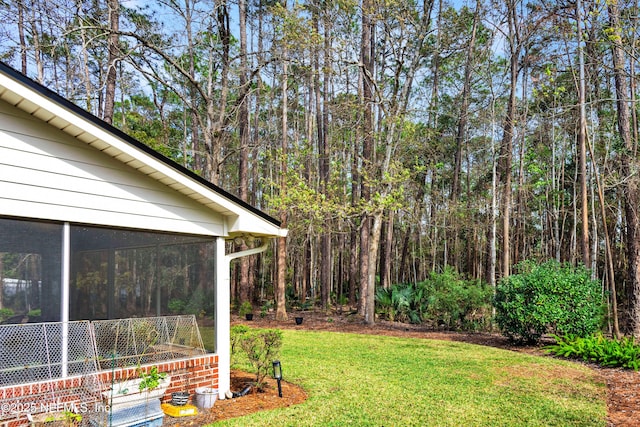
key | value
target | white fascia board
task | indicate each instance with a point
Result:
(254, 225)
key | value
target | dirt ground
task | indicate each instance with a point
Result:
(623, 387)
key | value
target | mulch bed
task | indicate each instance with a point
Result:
(236, 407)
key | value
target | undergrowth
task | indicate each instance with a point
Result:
(606, 352)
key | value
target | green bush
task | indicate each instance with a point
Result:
(443, 299)
(5, 313)
(177, 305)
(456, 303)
(548, 298)
(260, 347)
(245, 308)
(196, 304)
(610, 353)
(36, 312)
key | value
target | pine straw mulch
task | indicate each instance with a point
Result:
(236, 407)
(623, 387)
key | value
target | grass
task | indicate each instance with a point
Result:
(366, 380)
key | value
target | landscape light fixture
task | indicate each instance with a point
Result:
(277, 374)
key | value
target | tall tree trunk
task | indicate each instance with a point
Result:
(628, 166)
(327, 55)
(385, 254)
(22, 40)
(367, 72)
(493, 223)
(323, 150)
(281, 285)
(506, 148)
(461, 136)
(196, 151)
(112, 62)
(243, 130)
(633, 62)
(395, 114)
(376, 228)
(86, 72)
(463, 119)
(434, 105)
(37, 45)
(354, 236)
(217, 106)
(610, 270)
(354, 271)
(582, 144)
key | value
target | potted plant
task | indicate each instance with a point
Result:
(303, 306)
(150, 384)
(150, 380)
(246, 310)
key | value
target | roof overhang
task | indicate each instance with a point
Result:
(38, 101)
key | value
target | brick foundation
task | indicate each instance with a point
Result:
(58, 395)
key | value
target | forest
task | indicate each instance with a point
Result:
(394, 138)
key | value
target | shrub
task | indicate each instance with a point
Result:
(268, 305)
(548, 298)
(610, 353)
(176, 305)
(5, 313)
(196, 304)
(36, 312)
(260, 347)
(454, 302)
(444, 299)
(245, 308)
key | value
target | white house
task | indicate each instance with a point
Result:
(83, 205)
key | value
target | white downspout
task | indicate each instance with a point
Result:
(223, 307)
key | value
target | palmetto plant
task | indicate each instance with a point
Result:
(399, 302)
(444, 299)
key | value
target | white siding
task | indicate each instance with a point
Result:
(47, 174)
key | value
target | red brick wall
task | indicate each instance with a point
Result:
(186, 375)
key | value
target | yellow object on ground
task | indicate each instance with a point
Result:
(179, 411)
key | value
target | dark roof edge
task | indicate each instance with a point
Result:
(130, 140)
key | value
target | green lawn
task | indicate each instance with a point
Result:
(366, 380)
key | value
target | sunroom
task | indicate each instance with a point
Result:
(97, 227)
